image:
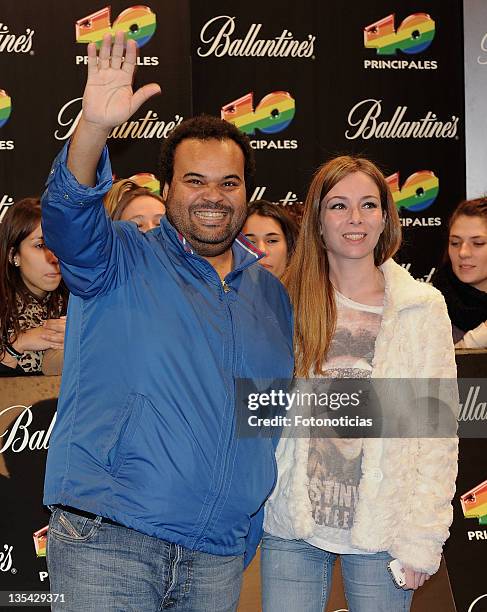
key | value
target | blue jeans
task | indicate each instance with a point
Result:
(102, 567)
(296, 577)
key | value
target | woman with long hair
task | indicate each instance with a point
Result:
(370, 501)
(272, 229)
(463, 276)
(127, 201)
(33, 297)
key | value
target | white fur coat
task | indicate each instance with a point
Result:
(406, 488)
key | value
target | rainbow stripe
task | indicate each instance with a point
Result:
(418, 192)
(474, 503)
(274, 113)
(40, 541)
(414, 35)
(139, 22)
(91, 29)
(5, 107)
(148, 180)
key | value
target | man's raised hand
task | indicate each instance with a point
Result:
(108, 99)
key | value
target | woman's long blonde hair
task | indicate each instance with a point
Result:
(307, 277)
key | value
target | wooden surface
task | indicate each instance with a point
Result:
(17, 394)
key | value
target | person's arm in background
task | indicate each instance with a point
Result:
(49, 336)
(75, 225)
(52, 358)
(475, 338)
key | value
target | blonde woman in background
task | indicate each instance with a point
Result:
(126, 201)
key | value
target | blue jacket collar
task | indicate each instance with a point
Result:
(245, 253)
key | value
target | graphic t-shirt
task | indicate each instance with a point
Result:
(334, 464)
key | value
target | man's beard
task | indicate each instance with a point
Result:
(206, 241)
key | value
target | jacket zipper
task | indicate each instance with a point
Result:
(228, 438)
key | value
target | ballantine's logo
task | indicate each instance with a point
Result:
(147, 180)
(418, 192)
(364, 118)
(471, 410)
(10, 43)
(138, 22)
(273, 114)
(424, 279)
(414, 35)
(216, 33)
(473, 606)
(6, 558)
(482, 59)
(5, 202)
(288, 200)
(147, 127)
(19, 438)
(5, 107)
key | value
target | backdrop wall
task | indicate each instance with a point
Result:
(305, 80)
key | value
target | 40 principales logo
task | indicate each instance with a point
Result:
(273, 114)
(5, 112)
(5, 107)
(418, 192)
(474, 503)
(138, 23)
(147, 180)
(6, 559)
(414, 35)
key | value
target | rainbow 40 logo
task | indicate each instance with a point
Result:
(147, 180)
(474, 503)
(414, 35)
(138, 22)
(273, 113)
(5, 107)
(418, 192)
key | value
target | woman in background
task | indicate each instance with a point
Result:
(358, 314)
(126, 201)
(274, 232)
(463, 277)
(33, 297)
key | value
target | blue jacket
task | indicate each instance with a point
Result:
(145, 430)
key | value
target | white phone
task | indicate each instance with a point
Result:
(397, 572)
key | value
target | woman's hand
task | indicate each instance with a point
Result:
(414, 580)
(49, 335)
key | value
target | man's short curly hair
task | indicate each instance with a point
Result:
(205, 127)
